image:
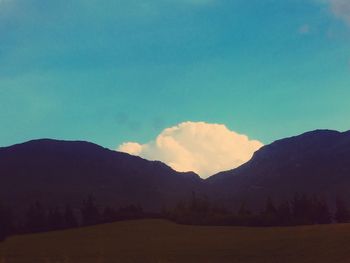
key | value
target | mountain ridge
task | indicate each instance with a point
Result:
(315, 162)
(60, 171)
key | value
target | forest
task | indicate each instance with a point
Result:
(301, 210)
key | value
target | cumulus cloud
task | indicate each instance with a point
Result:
(341, 8)
(197, 146)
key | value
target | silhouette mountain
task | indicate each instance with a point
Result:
(59, 172)
(316, 162)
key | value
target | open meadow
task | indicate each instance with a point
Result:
(163, 241)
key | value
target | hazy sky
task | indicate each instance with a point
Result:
(117, 71)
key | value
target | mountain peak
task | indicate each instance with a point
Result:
(54, 170)
(313, 162)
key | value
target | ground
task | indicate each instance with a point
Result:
(163, 241)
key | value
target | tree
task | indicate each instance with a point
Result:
(36, 220)
(130, 212)
(270, 207)
(323, 216)
(6, 222)
(55, 219)
(284, 214)
(109, 215)
(244, 216)
(243, 211)
(302, 210)
(89, 212)
(70, 221)
(269, 215)
(199, 205)
(342, 214)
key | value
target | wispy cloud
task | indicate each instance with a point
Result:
(304, 29)
(341, 9)
(4, 1)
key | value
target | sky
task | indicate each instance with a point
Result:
(114, 72)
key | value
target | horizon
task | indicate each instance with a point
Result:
(201, 175)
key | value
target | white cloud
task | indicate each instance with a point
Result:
(131, 148)
(341, 8)
(197, 146)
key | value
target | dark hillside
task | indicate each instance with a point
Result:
(58, 172)
(316, 162)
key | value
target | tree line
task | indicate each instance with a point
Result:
(39, 218)
(301, 210)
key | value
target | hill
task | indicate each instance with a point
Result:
(162, 241)
(58, 172)
(316, 162)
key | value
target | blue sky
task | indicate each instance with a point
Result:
(115, 71)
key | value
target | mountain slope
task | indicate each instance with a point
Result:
(58, 172)
(316, 162)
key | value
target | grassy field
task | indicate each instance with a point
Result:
(162, 241)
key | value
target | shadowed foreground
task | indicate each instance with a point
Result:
(163, 241)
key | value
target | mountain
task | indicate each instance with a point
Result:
(316, 162)
(59, 172)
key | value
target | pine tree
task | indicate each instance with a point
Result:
(302, 210)
(342, 214)
(284, 214)
(323, 216)
(244, 216)
(270, 207)
(109, 215)
(90, 213)
(36, 220)
(243, 211)
(6, 222)
(269, 215)
(70, 221)
(55, 219)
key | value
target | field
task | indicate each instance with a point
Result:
(163, 241)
